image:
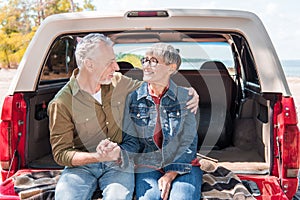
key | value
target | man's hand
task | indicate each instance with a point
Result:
(105, 151)
(164, 184)
(194, 102)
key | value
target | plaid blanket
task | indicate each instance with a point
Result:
(219, 183)
(37, 185)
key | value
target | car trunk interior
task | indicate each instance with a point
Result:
(250, 149)
(246, 149)
(234, 121)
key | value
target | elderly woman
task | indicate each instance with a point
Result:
(164, 131)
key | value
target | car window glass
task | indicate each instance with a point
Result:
(193, 54)
(60, 61)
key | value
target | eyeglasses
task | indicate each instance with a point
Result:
(152, 62)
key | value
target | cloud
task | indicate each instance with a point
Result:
(272, 8)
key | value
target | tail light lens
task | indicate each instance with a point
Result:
(290, 138)
(12, 133)
(286, 144)
(148, 13)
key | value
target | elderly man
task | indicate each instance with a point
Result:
(85, 125)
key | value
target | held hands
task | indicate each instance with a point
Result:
(108, 150)
(164, 184)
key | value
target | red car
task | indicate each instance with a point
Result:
(247, 116)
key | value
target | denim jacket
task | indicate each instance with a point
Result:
(178, 125)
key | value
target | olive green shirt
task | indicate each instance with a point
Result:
(78, 122)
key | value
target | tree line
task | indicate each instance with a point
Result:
(19, 20)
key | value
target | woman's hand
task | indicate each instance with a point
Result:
(165, 182)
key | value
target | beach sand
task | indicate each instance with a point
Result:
(294, 85)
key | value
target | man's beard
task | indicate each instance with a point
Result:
(105, 82)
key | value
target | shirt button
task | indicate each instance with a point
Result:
(87, 119)
(166, 125)
(119, 102)
(138, 115)
(106, 123)
(177, 113)
(164, 111)
(102, 107)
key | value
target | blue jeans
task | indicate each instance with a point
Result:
(81, 182)
(184, 187)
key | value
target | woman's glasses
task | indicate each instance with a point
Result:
(149, 61)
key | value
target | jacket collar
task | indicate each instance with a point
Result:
(143, 92)
(73, 82)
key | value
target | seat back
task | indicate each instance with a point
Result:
(214, 87)
(128, 70)
(220, 108)
(226, 89)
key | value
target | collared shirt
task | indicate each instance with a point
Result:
(158, 136)
(78, 122)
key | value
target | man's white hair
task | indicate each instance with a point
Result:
(87, 45)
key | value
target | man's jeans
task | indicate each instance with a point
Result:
(81, 182)
(183, 187)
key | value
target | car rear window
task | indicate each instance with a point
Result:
(195, 48)
(193, 54)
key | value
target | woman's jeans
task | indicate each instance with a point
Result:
(81, 182)
(184, 187)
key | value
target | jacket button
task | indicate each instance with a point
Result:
(138, 115)
(177, 113)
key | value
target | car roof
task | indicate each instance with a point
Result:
(270, 72)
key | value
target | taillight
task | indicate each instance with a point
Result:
(148, 13)
(12, 134)
(290, 138)
(286, 144)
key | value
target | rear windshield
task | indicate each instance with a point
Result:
(195, 48)
(193, 54)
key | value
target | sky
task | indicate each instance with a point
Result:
(280, 17)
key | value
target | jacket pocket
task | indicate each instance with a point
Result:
(140, 117)
(176, 119)
(89, 132)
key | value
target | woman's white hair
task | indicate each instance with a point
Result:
(86, 46)
(167, 52)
